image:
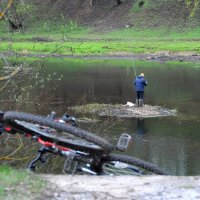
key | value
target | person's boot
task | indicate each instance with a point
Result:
(137, 102)
(141, 102)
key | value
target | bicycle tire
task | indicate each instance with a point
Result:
(132, 161)
(49, 135)
(85, 135)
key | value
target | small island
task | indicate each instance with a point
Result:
(125, 111)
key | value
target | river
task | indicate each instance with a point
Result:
(172, 143)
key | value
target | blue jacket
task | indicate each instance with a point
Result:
(140, 83)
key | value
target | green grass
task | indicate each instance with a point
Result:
(18, 184)
(44, 29)
(6, 173)
(100, 47)
(74, 40)
(156, 34)
(161, 33)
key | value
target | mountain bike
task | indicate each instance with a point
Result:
(84, 152)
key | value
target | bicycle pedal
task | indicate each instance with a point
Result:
(88, 171)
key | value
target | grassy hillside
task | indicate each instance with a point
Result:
(77, 28)
(107, 15)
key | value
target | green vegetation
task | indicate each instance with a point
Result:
(119, 42)
(152, 29)
(192, 5)
(60, 30)
(18, 184)
(70, 39)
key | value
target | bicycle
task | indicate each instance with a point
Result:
(85, 152)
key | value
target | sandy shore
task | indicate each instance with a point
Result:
(63, 187)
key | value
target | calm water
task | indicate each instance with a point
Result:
(172, 143)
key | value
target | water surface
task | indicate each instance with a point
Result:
(172, 143)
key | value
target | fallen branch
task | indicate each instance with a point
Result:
(5, 85)
(14, 73)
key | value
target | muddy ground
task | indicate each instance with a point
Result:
(160, 57)
(122, 187)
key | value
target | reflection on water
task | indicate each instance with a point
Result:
(172, 143)
(140, 128)
(167, 143)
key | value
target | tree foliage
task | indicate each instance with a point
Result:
(192, 5)
(4, 7)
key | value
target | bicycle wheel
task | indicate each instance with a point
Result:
(126, 165)
(60, 138)
(50, 135)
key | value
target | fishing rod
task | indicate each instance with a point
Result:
(133, 62)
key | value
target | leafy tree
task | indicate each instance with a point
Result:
(15, 12)
(192, 5)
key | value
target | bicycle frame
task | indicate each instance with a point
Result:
(49, 147)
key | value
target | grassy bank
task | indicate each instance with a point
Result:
(19, 184)
(80, 41)
(100, 47)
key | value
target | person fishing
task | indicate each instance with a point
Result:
(140, 84)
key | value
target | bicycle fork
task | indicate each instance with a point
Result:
(40, 157)
(72, 163)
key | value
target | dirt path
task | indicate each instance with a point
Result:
(122, 187)
(158, 57)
